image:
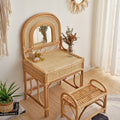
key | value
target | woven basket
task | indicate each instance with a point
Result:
(6, 107)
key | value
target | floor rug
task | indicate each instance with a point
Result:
(113, 109)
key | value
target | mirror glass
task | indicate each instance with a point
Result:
(78, 1)
(42, 35)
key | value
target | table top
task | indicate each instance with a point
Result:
(55, 60)
(57, 64)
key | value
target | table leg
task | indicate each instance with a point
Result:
(46, 100)
(60, 82)
(81, 78)
(25, 85)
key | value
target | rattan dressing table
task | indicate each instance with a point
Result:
(57, 64)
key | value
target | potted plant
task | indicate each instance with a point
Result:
(69, 38)
(6, 96)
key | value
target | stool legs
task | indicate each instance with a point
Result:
(62, 107)
(105, 103)
(77, 114)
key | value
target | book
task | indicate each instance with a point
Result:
(17, 110)
(13, 112)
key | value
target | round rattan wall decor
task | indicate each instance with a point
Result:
(76, 6)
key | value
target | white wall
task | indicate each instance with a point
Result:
(11, 66)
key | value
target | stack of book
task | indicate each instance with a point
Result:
(17, 110)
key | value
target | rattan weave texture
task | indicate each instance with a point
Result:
(56, 64)
(82, 98)
(85, 95)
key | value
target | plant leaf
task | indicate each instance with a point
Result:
(0, 85)
(3, 87)
(12, 92)
(6, 95)
(16, 95)
(3, 95)
(11, 87)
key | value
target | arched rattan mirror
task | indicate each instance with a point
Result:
(41, 30)
(76, 6)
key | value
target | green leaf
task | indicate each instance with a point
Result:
(4, 85)
(3, 98)
(16, 95)
(11, 87)
(2, 93)
(6, 95)
(6, 101)
(0, 86)
(13, 92)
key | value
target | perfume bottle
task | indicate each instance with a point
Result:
(32, 53)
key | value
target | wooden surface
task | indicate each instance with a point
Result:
(35, 112)
(58, 63)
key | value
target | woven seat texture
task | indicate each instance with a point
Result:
(57, 64)
(85, 95)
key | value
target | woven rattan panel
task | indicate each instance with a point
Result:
(58, 64)
(48, 18)
(85, 95)
(34, 72)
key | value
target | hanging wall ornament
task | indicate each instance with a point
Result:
(76, 6)
(5, 10)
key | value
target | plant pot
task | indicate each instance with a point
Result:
(4, 108)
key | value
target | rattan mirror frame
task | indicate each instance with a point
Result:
(75, 7)
(38, 44)
(32, 23)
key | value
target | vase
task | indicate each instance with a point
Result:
(70, 49)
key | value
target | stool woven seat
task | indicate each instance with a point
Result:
(83, 97)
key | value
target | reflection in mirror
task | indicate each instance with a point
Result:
(42, 35)
(78, 1)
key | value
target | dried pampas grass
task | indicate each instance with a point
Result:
(75, 7)
(5, 10)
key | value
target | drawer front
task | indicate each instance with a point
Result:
(37, 74)
(64, 71)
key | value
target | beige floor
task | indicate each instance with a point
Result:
(35, 112)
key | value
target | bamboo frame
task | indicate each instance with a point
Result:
(76, 100)
(37, 73)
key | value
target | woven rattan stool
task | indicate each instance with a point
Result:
(81, 98)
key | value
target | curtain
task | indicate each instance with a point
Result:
(5, 10)
(118, 42)
(105, 37)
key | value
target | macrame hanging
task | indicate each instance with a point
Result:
(5, 10)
